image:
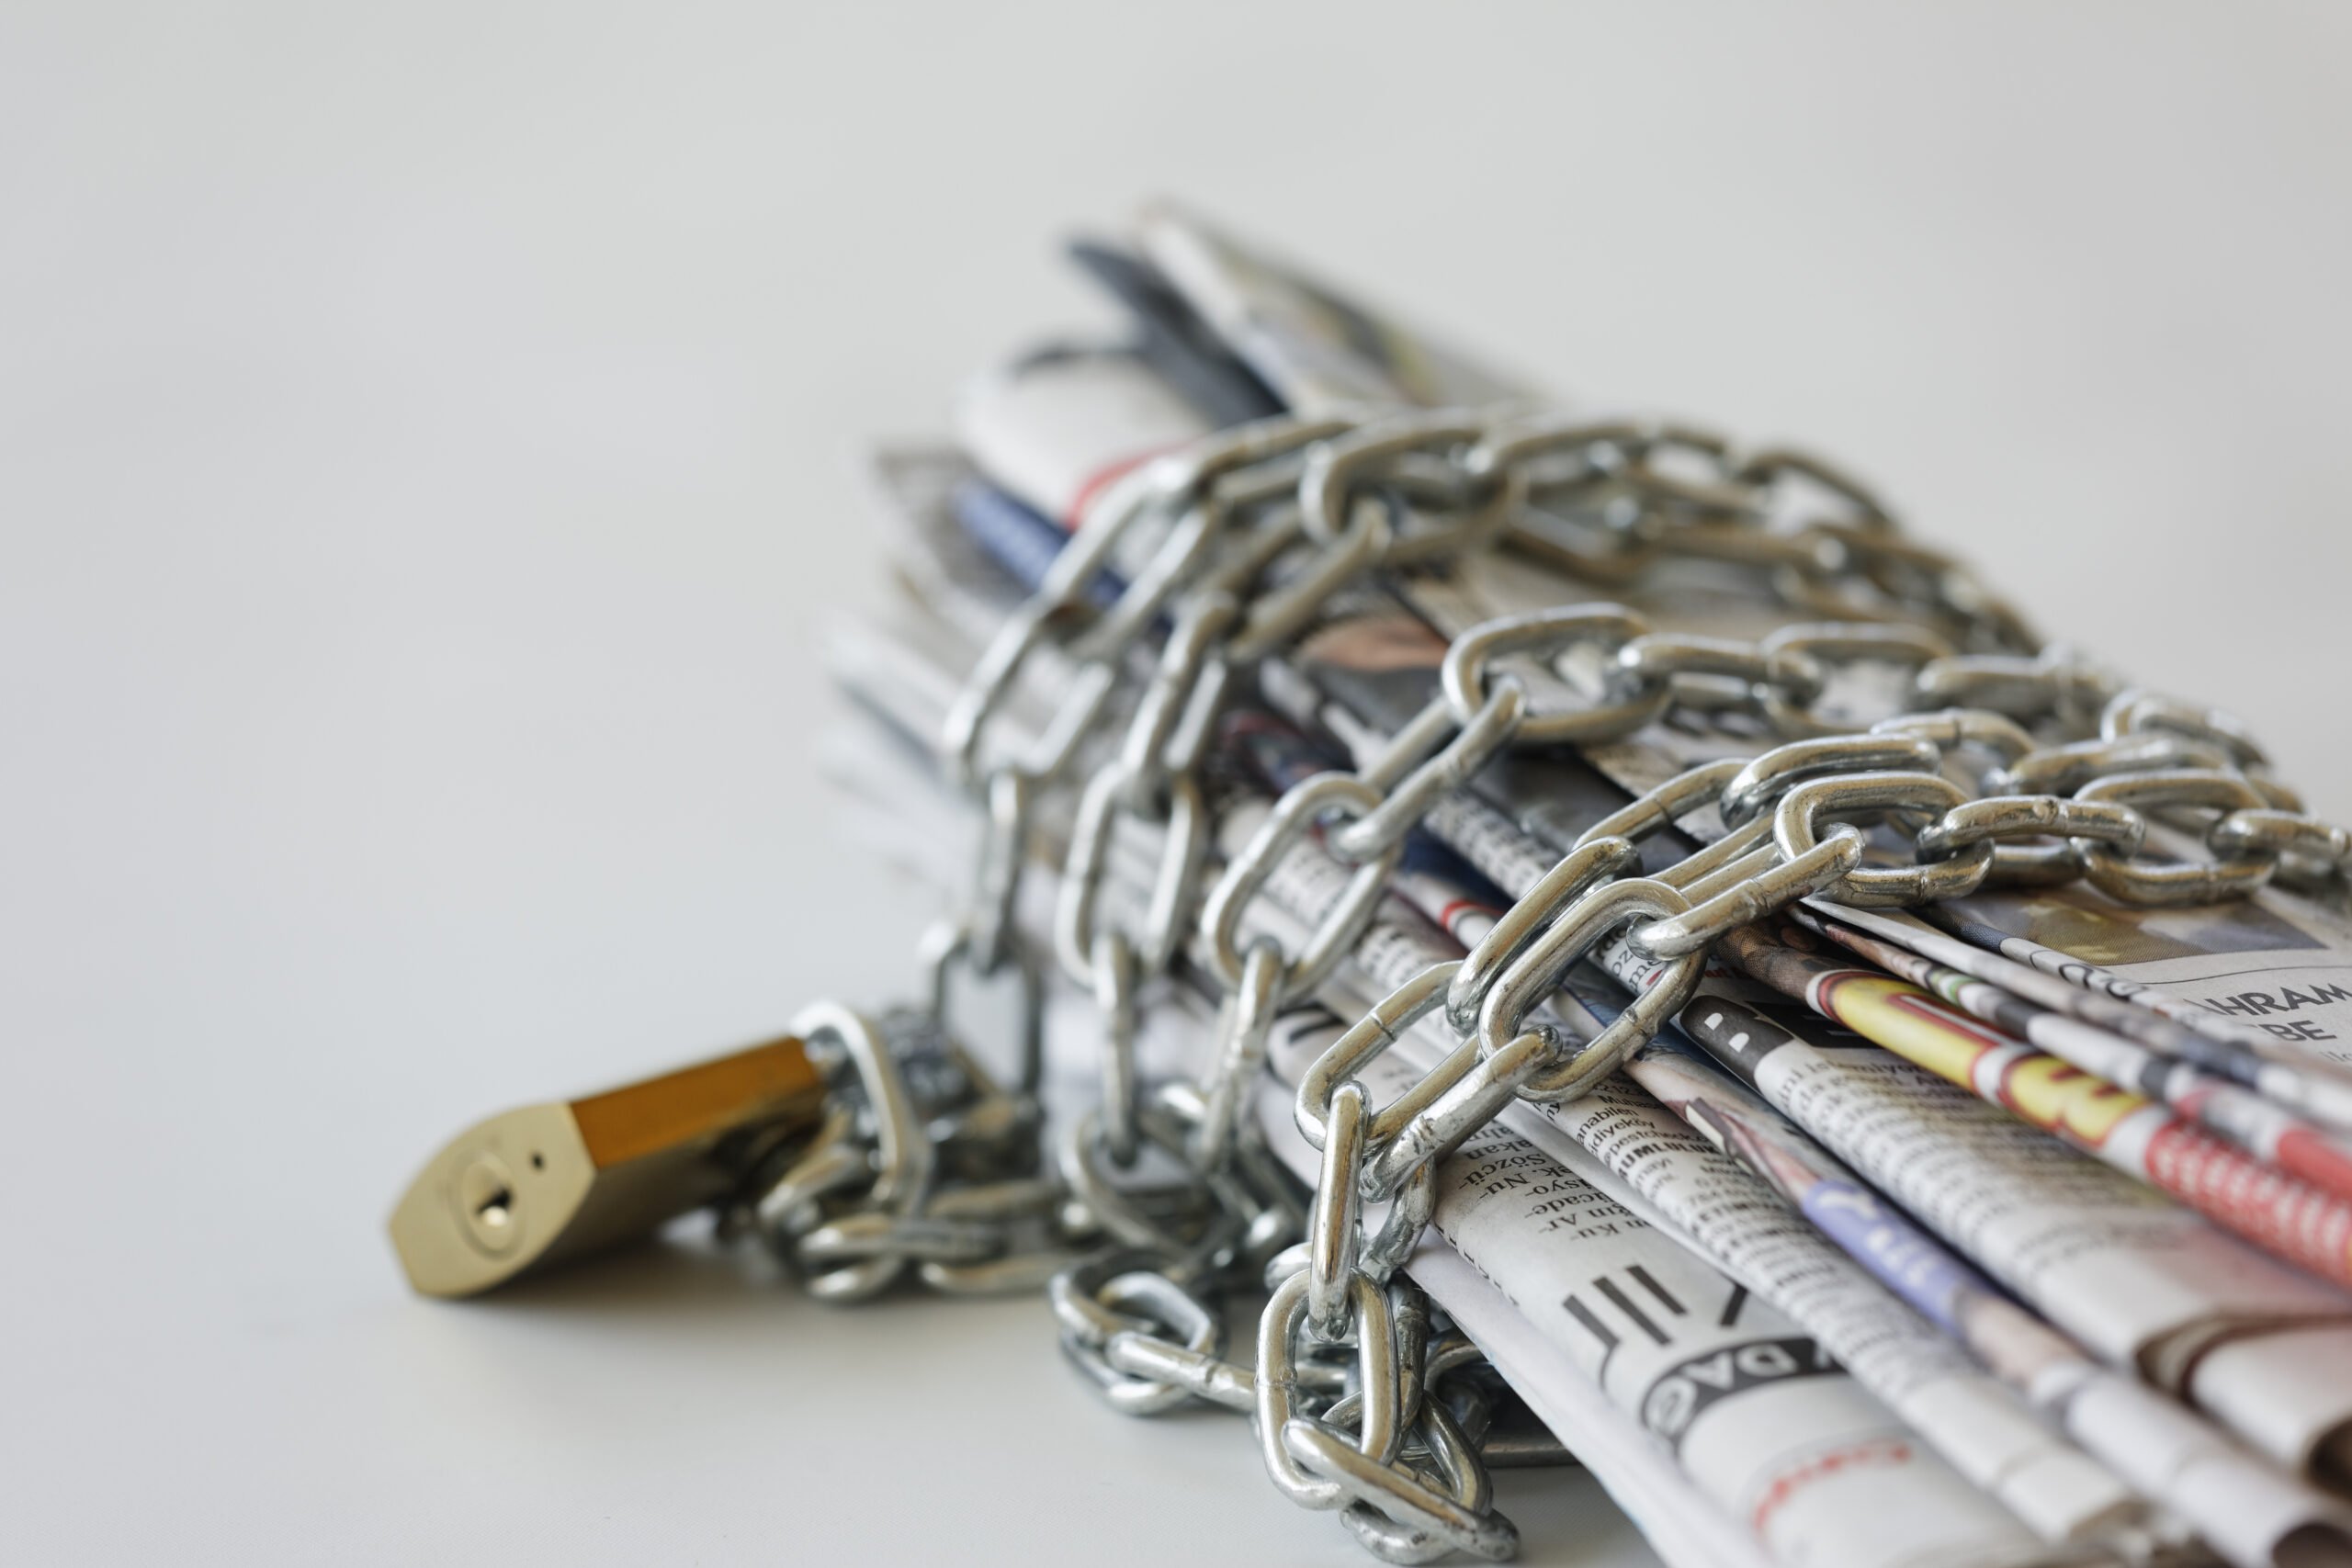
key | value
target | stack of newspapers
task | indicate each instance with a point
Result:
(1941, 1236)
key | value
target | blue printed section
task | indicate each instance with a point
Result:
(1896, 1252)
(1022, 541)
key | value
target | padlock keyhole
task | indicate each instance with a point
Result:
(485, 1203)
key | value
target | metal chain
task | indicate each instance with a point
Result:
(1226, 553)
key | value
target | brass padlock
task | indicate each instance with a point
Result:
(540, 1185)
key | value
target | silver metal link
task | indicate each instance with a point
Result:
(902, 1156)
(1749, 889)
(1989, 769)
(1345, 1058)
(1184, 839)
(1177, 558)
(2135, 712)
(1569, 451)
(790, 1207)
(1301, 809)
(1774, 465)
(1711, 672)
(1760, 784)
(1689, 791)
(1205, 468)
(1204, 1376)
(1798, 820)
(1173, 721)
(1400, 1496)
(1277, 1379)
(1470, 1088)
(1411, 794)
(1337, 471)
(948, 947)
(2290, 836)
(2062, 769)
(1956, 728)
(1331, 1225)
(1134, 1303)
(1536, 973)
(1592, 861)
(2004, 817)
(923, 1238)
(991, 683)
(1807, 556)
(1551, 633)
(1400, 1228)
(2122, 874)
(1114, 980)
(1080, 1153)
(1283, 614)
(1828, 645)
(1241, 1052)
(1050, 759)
(997, 882)
(2052, 686)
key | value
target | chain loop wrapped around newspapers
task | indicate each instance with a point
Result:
(2005, 761)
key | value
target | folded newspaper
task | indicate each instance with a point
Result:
(2012, 1226)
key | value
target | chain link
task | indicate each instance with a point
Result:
(1993, 759)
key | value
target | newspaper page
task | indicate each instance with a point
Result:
(2133, 1278)
(1681, 1524)
(1981, 1427)
(1384, 652)
(1800, 1494)
(2257, 988)
(2270, 974)
(2144, 1139)
(1490, 1327)
(1648, 1157)
(1626, 1427)
(2258, 1382)
(2237, 1502)
(1316, 349)
(1102, 403)
(2226, 1329)
(2222, 1049)
(2249, 1512)
(2261, 1127)
(1750, 1408)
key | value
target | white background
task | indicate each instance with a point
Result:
(427, 449)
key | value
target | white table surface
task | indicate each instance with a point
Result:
(427, 441)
